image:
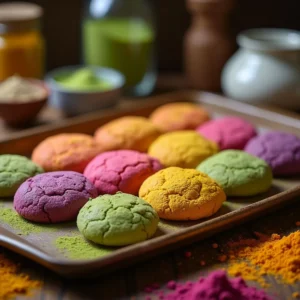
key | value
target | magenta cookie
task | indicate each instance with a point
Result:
(228, 132)
(122, 170)
(280, 150)
(53, 197)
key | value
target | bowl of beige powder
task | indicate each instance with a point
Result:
(21, 99)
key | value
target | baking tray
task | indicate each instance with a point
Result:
(40, 246)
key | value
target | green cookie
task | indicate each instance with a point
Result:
(117, 220)
(14, 170)
(239, 173)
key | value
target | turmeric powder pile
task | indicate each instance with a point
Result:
(276, 256)
(12, 283)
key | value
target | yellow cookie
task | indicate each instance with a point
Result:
(182, 194)
(130, 132)
(185, 149)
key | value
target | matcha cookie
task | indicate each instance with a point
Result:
(117, 220)
(14, 170)
(239, 173)
(182, 194)
(184, 149)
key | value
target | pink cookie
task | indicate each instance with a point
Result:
(228, 132)
(121, 170)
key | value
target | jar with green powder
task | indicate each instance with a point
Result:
(120, 34)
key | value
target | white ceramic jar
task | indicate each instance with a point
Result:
(266, 68)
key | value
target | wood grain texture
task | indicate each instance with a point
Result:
(129, 283)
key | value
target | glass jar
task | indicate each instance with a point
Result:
(21, 43)
(120, 34)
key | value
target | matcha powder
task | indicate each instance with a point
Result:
(76, 247)
(20, 225)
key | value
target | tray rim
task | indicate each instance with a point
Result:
(68, 267)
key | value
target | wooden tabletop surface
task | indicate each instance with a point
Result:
(129, 283)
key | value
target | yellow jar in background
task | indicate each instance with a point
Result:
(21, 42)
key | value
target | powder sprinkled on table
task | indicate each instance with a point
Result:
(12, 283)
(216, 286)
(276, 256)
(76, 247)
(20, 225)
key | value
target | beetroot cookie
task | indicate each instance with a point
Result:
(53, 197)
(122, 170)
(228, 132)
(280, 150)
(130, 132)
(179, 116)
(65, 152)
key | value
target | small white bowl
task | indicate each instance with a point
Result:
(75, 102)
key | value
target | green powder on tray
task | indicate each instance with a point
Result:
(21, 226)
(76, 247)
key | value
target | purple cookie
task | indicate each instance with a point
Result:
(121, 170)
(280, 150)
(53, 197)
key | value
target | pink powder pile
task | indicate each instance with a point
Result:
(217, 286)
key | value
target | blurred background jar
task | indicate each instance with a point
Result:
(207, 43)
(21, 42)
(120, 34)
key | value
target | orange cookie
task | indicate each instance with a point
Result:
(130, 132)
(179, 116)
(67, 151)
(182, 194)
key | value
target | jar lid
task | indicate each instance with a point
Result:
(19, 16)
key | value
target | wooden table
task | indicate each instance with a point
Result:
(129, 283)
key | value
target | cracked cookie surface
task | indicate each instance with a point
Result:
(239, 173)
(182, 194)
(179, 116)
(14, 170)
(130, 132)
(280, 150)
(185, 149)
(228, 132)
(65, 152)
(117, 220)
(122, 170)
(53, 197)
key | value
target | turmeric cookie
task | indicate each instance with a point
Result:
(67, 151)
(182, 194)
(239, 173)
(131, 133)
(179, 116)
(185, 149)
(14, 170)
(117, 220)
(228, 132)
(121, 170)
